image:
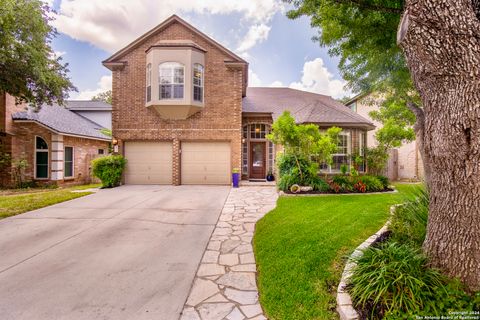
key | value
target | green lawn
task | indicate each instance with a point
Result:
(19, 202)
(301, 247)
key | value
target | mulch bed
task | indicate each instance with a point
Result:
(322, 192)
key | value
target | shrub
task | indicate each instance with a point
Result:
(360, 187)
(288, 162)
(287, 180)
(344, 182)
(409, 221)
(394, 278)
(384, 180)
(109, 170)
(318, 184)
(371, 182)
(343, 169)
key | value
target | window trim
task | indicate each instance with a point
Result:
(35, 150)
(148, 88)
(349, 152)
(202, 82)
(65, 162)
(173, 83)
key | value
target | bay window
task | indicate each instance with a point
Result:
(171, 79)
(198, 82)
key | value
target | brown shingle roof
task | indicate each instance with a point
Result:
(305, 107)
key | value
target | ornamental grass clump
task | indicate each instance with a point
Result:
(394, 279)
(109, 170)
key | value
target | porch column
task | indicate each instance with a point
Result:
(56, 166)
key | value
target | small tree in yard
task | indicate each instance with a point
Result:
(104, 96)
(304, 141)
(425, 54)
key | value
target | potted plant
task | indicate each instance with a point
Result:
(270, 176)
(235, 177)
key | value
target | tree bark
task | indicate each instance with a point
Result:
(441, 41)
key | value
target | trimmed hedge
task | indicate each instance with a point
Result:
(109, 170)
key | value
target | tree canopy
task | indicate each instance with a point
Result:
(104, 96)
(29, 69)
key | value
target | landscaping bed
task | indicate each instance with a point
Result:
(393, 279)
(302, 245)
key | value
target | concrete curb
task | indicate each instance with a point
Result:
(345, 307)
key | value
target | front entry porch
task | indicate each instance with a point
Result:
(257, 152)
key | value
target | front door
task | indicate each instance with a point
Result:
(257, 160)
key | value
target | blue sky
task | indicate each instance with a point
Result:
(280, 51)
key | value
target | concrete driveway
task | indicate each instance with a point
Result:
(124, 253)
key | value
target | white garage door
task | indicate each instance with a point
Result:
(148, 162)
(205, 163)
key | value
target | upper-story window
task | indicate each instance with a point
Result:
(198, 82)
(171, 78)
(149, 82)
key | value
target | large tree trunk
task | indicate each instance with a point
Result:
(441, 41)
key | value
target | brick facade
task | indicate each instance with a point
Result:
(219, 120)
(19, 141)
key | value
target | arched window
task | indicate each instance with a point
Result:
(41, 158)
(149, 82)
(171, 79)
(198, 82)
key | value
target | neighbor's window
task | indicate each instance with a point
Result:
(198, 82)
(101, 151)
(68, 162)
(171, 80)
(353, 106)
(41, 158)
(149, 82)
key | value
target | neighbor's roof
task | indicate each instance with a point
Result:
(305, 107)
(86, 105)
(63, 121)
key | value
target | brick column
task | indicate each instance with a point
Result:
(176, 154)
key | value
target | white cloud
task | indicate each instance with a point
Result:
(256, 34)
(276, 84)
(253, 79)
(104, 84)
(112, 24)
(316, 78)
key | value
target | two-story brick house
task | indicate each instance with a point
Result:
(57, 143)
(182, 112)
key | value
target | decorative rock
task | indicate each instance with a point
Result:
(202, 289)
(239, 280)
(242, 297)
(210, 269)
(215, 311)
(251, 311)
(229, 259)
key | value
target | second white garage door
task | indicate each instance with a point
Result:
(205, 163)
(148, 162)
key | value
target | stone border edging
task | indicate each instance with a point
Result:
(345, 307)
(283, 194)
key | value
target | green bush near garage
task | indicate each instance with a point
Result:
(109, 170)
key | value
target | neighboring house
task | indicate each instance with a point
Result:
(57, 143)
(97, 111)
(405, 163)
(182, 112)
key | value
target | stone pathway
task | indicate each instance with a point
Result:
(225, 285)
